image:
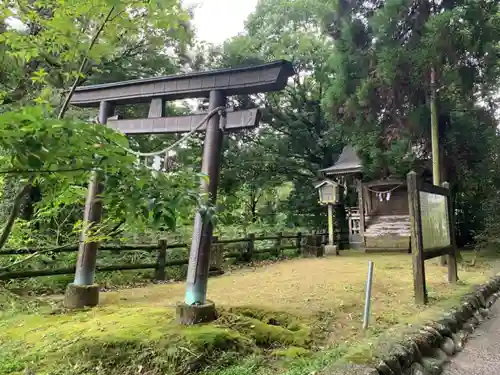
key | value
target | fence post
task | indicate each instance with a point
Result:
(318, 239)
(161, 260)
(248, 256)
(215, 257)
(298, 244)
(277, 246)
(309, 247)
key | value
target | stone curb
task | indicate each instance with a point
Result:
(426, 352)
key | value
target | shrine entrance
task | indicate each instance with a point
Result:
(215, 85)
(354, 225)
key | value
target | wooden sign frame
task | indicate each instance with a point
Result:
(419, 253)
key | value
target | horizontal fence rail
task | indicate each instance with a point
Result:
(304, 245)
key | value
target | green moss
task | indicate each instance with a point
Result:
(210, 338)
(276, 318)
(114, 341)
(291, 353)
(271, 330)
(362, 353)
(181, 350)
(122, 340)
(11, 303)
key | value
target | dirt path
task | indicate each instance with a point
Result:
(481, 355)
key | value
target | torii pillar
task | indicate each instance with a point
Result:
(217, 86)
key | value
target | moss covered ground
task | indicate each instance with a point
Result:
(289, 317)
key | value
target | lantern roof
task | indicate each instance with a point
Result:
(347, 163)
(325, 182)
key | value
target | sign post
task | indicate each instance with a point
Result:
(432, 230)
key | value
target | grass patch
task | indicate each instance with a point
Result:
(293, 317)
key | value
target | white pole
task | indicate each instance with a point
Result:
(368, 294)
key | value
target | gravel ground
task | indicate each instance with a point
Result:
(481, 355)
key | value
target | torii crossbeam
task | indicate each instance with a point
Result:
(216, 85)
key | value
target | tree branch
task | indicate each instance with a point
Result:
(64, 106)
(14, 212)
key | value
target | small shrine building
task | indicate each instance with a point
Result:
(380, 221)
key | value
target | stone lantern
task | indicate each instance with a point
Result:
(329, 195)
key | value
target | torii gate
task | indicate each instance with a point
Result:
(216, 85)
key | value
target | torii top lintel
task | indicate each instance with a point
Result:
(268, 77)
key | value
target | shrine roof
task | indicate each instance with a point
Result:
(347, 163)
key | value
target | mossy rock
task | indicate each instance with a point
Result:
(468, 327)
(474, 321)
(459, 340)
(481, 296)
(459, 315)
(448, 346)
(479, 317)
(416, 369)
(440, 355)
(442, 327)
(437, 336)
(384, 369)
(485, 313)
(394, 363)
(471, 303)
(487, 289)
(491, 301)
(428, 338)
(450, 324)
(413, 349)
(465, 311)
(404, 357)
(476, 300)
(432, 366)
(495, 284)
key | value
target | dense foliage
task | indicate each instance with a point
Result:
(49, 150)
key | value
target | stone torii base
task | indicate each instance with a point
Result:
(80, 296)
(195, 314)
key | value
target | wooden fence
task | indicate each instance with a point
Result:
(305, 245)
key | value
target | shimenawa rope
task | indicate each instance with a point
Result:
(183, 139)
